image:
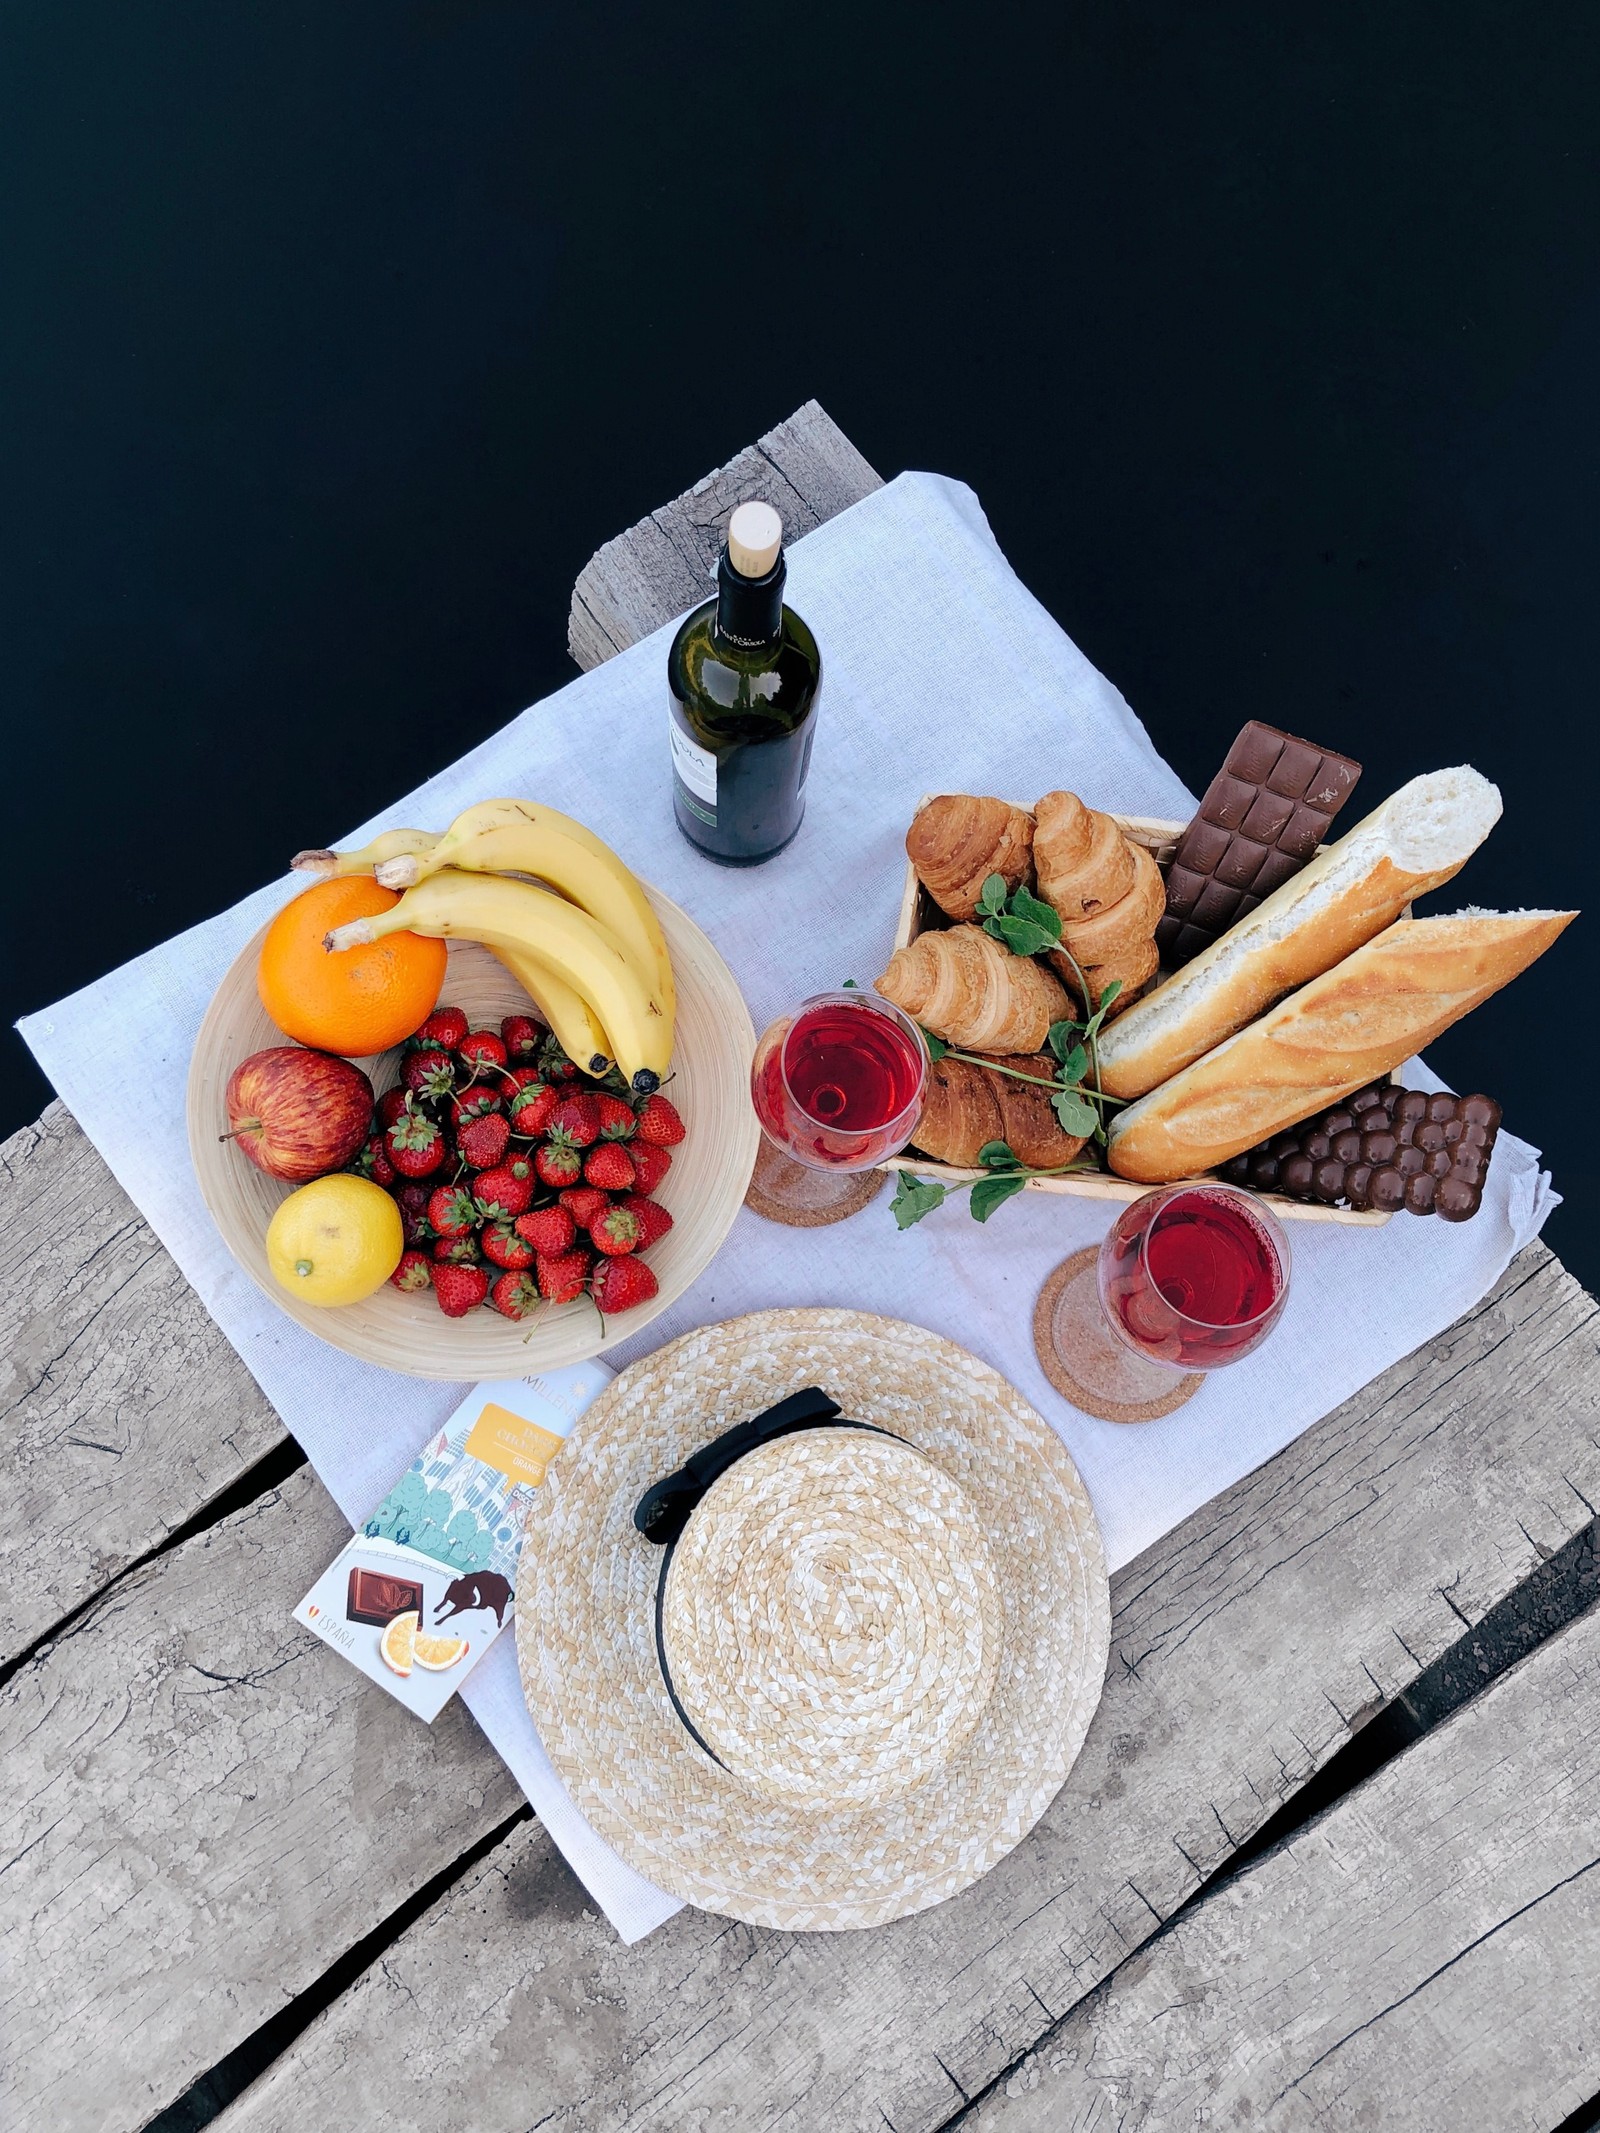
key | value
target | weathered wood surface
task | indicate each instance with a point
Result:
(806, 468)
(1426, 1956)
(1245, 1647)
(124, 1410)
(204, 1806)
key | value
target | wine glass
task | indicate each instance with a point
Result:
(838, 1088)
(1188, 1279)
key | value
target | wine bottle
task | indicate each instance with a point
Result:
(744, 676)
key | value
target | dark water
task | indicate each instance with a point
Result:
(337, 339)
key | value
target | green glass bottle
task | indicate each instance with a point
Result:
(744, 676)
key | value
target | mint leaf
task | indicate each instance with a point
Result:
(992, 898)
(1092, 1026)
(1063, 1036)
(914, 1198)
(1037, 913)
(936, 1045)
(1024, 936)
(1073, 1067)
(997, 1155)
(1076, 1114)
(849, 985)
(991, 1193)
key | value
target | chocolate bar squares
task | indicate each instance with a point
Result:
(1263, 816)
(377, 1597)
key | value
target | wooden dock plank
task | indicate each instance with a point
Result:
(1425, 1955)
(1245, 1646)
(205, 1805)
(123, 1409)
(806, 468)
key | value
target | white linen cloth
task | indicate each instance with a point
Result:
(943, 674)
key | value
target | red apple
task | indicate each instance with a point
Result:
(298, 1114)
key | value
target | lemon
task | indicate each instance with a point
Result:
(335, 1241)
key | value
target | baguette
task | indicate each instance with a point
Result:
(1350, 1026)
(1418, 839)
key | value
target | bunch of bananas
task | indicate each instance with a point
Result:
(592, 958)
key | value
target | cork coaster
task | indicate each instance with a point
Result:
(1084, 1360)
(782, 1190)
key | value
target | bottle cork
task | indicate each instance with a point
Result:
(755, 534)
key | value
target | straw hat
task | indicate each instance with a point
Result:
(861, 1671)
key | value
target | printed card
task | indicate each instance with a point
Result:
(426, 1586)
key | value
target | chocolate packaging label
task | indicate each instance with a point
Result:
(426, 1586)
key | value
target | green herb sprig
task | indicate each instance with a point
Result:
(1005, 1176)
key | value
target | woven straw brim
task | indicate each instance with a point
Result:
(586, 1628)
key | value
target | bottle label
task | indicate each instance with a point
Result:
(696, 767)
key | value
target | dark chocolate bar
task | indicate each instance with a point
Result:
(377, 1597)
(1265, 813)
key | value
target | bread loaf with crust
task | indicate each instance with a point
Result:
(1354, 1024)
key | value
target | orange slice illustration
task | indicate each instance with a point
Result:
(438, 1653)
(398, 1640)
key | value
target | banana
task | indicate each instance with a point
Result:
(522, 837)
(515, 915)
(565, 1009)
(384, 849)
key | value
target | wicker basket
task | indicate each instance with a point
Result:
(703, 1191)
(920, 914)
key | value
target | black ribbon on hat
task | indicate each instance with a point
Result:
(666, 1506)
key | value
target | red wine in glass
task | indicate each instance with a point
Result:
(1196, 1276)
(839, 1084)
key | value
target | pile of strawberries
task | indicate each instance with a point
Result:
(519, 1183)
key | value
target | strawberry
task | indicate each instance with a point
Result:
(578, 1119)
(521, 1036)
(414, 1143)
(459, 1289)
(506, 1189)
(415, 1271)
(412, 1201)
(374, 1162)
(617, 1121)
(650, 1165)
(558, 1163)
(456, 1251)
(503, 1247)
(554, 1063)
(479, 1102)
(585, 1203)
(513, 1078)
(515, 1295)
(429, 1073)
(652, 1218)
(482, 1141)
(659, 1123)
(446, 1026)
(562, 1274)
(550, 1230)
(615, 1233)
(622, 1284)
(452, 1211)
(482, 1050)
(609, 1166)
(390, 1105)
(531, 1108)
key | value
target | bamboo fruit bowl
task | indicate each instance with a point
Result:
(703, 1190)
(920, 914)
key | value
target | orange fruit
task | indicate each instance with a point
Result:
(356, 1001)
(396, 1642)
(438, 1653)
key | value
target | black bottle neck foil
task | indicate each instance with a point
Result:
(750, 610)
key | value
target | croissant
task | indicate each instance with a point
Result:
(956, 842)
(967, 1106)
(971, 991)
(1082, 860)
(1133, 971)
(1119, 929)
